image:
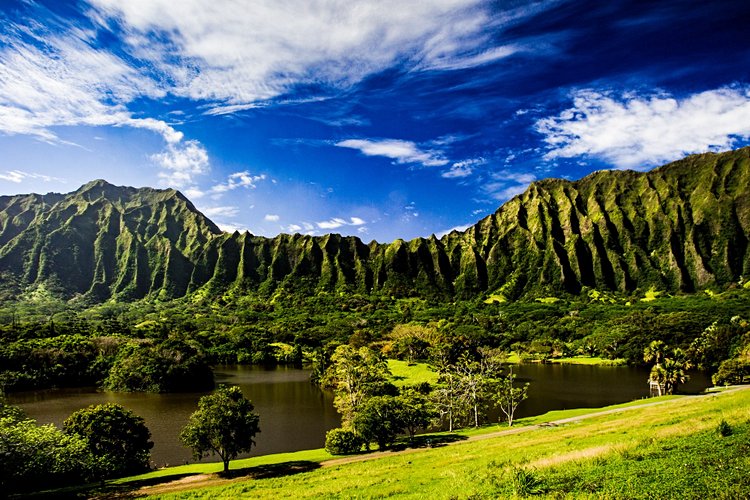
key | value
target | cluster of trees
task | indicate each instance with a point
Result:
(375, 410)
(107, 440)
(95, 443)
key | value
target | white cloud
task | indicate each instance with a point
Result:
(238, 55)
(398, 150)
(18, 176)
(331, 224)
(271, 218)
(230, 227)
(182, 162)
(238, 180)
(194, 193)
(294, 228)
(505, 185)
(62, 81)
(338, 222)
(633, 130)
(221, 211)
(460, 229)
(463, 168)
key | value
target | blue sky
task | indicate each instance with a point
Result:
(377, 118)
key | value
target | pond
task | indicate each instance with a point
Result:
(295, 415)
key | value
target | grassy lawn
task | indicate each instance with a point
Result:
(670, 450)
(585, 360)
(411, 373)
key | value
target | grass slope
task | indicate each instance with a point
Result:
(667, 450)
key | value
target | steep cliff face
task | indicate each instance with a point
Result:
(679, 227)
(104, 241)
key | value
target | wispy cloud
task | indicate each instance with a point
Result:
(633, 130)
(505, 184)
(398, 150)
(221, 211)
(463, 168)
(271, 218)
(18, 176)
(287, 44)
(236, 180)
(337, 222)
(50, 79)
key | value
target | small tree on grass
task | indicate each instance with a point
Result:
(223, 425)
(117, 437)
(508, 397)
(379, 419)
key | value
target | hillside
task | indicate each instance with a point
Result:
(664, 448)
(679, 227)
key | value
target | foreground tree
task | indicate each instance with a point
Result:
(223, 425)
(508, 397)
(34, 457)
(117, 437)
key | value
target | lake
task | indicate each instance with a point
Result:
(295, 415)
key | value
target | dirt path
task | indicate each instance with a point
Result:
(206, 480)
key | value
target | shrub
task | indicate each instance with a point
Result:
(526, 483)
(724, 429)
(342, 442)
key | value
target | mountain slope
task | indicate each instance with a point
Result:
(679, 227)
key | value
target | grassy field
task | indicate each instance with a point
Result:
(404, 373)
(669, 450)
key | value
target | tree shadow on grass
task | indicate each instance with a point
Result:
(273, 470)
(429, 441)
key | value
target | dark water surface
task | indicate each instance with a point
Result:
(295, 415)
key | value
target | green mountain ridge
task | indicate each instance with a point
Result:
(680, 227)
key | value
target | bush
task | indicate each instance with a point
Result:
(525, 483)
(724, 429)
(342, 442)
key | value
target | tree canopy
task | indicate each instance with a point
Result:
(223, 425)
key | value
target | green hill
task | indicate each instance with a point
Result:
(680, 227)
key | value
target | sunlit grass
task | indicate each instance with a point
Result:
(664, 450)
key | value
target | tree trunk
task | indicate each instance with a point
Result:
(226, 465)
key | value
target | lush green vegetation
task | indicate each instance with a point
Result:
(676, 448)
(117, 438)
(224, 424)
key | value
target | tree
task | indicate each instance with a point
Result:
(417, 411)
(669, 366)
(223, 425)
(116, 436)
(508, 397)
(356, 374)
(379, 419)
(34, 457)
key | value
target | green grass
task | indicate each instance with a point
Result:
(411, 373)
(585, 360)
(670, 450)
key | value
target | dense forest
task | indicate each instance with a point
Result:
(134, 289)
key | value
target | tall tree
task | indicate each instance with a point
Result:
(223, 425)
(356, 374)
